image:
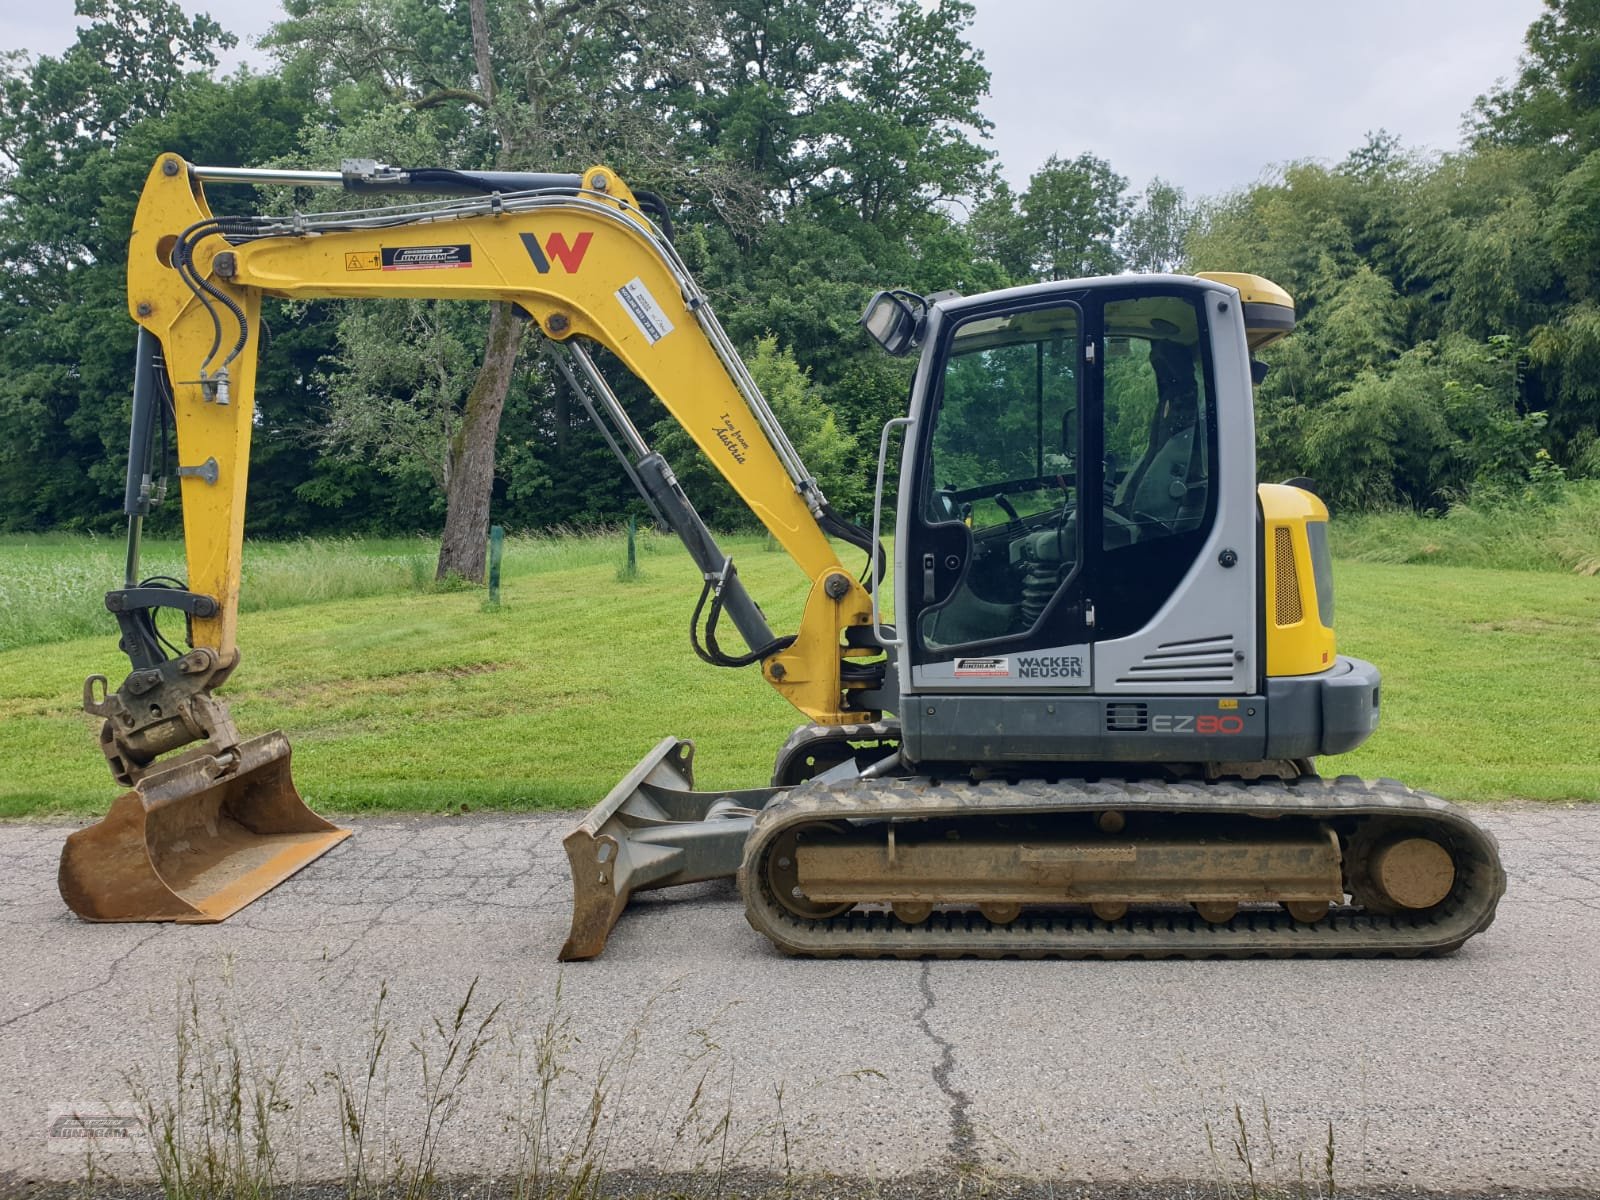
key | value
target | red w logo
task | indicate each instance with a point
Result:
(568, 254)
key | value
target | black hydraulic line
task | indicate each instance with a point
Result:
(183, 264)
(848, 531)
(653, 205)
(185, 248)
(709, 651)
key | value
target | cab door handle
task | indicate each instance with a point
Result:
(928, 587)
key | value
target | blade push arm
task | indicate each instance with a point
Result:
(581, 261)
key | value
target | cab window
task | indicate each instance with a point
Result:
(1003, 461)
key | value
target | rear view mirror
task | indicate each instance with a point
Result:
(894, 320)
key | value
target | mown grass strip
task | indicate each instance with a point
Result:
(425, 701)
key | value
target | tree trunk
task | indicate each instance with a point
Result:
(471, 468)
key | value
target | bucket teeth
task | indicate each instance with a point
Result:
(196, 841)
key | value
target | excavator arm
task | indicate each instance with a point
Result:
(579, 256)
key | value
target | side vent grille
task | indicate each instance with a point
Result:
(1127, 718)
(1196, 660)
(1287, 577)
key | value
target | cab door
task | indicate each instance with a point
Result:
(994, 535)
(1063, 484)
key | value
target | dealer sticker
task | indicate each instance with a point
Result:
(425, 258)
(982, 668)
(639, 304)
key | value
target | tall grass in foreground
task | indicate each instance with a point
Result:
(1558, 531)
(491, 1101)
(226, 1118)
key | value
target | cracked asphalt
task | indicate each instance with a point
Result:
(701, 1048)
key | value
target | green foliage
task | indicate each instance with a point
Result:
(1574, 224)
(1360, 326)
(1569, 351)
(814, 151)
(1439, 424)
(1157, 228)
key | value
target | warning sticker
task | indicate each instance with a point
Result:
(982, 668)
(639, 304)
(363, 260)
(425, 258)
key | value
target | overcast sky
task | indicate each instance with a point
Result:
(1207, 96)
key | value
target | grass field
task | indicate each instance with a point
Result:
(397, 696)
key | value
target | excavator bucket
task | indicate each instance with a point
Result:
(196, 840)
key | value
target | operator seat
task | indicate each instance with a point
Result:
(1165, 492)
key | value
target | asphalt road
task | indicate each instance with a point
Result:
(701, 1049)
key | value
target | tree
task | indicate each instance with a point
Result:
(1554, 101)
(896, 138)
(1157, 229)
(129, 62)
(999, 235)
(77, 135)
(1073, 212)
(860, 120)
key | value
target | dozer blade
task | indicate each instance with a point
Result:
(197, 840)
(653, 830)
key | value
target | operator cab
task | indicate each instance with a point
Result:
(1062, 477)
(1017, 484)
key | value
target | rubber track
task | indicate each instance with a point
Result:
(1151, 933)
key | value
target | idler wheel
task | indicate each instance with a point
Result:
(783, 877)
(1413, 872)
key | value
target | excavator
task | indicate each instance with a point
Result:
(1072, 713)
